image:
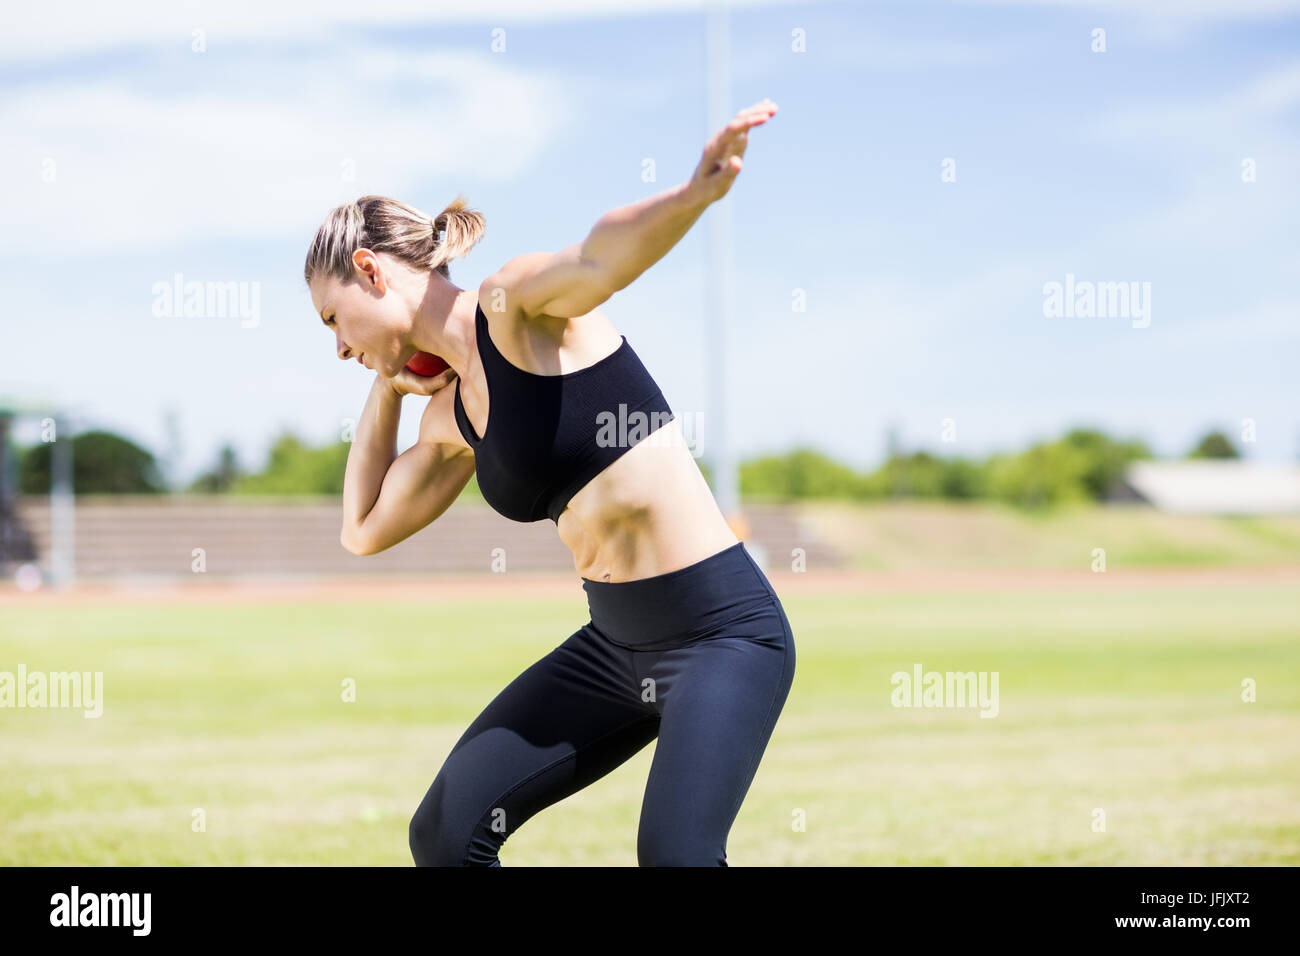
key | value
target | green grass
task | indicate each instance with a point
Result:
(1120, 700)
(933, 535)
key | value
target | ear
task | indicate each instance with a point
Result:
(370, 272)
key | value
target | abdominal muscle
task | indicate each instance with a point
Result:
(648, 513)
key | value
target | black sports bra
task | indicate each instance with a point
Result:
(547, 436)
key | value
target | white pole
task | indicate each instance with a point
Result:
(62, 508)
(718, 281)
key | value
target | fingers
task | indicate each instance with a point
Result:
(411, 384)
(722, 159)
(751, 116)
(442, 379)
(435, 383)
(736, 131)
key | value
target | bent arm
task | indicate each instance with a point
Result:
(388, 497)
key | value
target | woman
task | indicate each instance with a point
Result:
(687, 641)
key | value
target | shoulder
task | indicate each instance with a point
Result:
(496, 296)
(546, 286)
(506, 291)
(497, 302)
(502, 294)
(501, 297)
(524, 267)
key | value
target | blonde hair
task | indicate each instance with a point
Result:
(386, 225)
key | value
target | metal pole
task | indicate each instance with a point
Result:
(8, 496)
(62, 510)
(718, 283)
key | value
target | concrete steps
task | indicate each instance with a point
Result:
(118, 535)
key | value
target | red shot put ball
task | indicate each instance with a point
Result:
(427, 364)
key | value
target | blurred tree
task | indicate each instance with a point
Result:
(802, 473)
(293, 468)
(102, 463)
(1107, 460)
(222, 477)
(964, 479)
(918, 475)
(1214, 445)
(1047, 474)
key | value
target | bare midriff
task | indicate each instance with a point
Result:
(649, 512)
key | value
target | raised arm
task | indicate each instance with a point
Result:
(627, 241)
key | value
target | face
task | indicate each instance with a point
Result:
(369, 320)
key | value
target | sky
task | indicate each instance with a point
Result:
(933, 169)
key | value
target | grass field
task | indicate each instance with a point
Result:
(1123, 699)
(935, 535)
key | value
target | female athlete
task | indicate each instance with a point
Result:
(687, 641)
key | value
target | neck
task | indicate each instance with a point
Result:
(444, 322)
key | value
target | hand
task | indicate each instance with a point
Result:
(407, 382)
(722, 156)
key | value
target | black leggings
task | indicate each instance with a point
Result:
(701, 658)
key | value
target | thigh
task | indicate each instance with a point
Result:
(566, 721)
(720, 700)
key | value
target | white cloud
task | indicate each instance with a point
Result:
(1267, 324)
(1211, 140)
(1206, 121)
(35, 31)
(1272, 92)
(1186, 9)
(137, 165)
(869, 51)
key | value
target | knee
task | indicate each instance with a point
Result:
(429, 841)
(439, 839)
(676, 850)
(425, 837)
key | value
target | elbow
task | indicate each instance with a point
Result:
(353, 543)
